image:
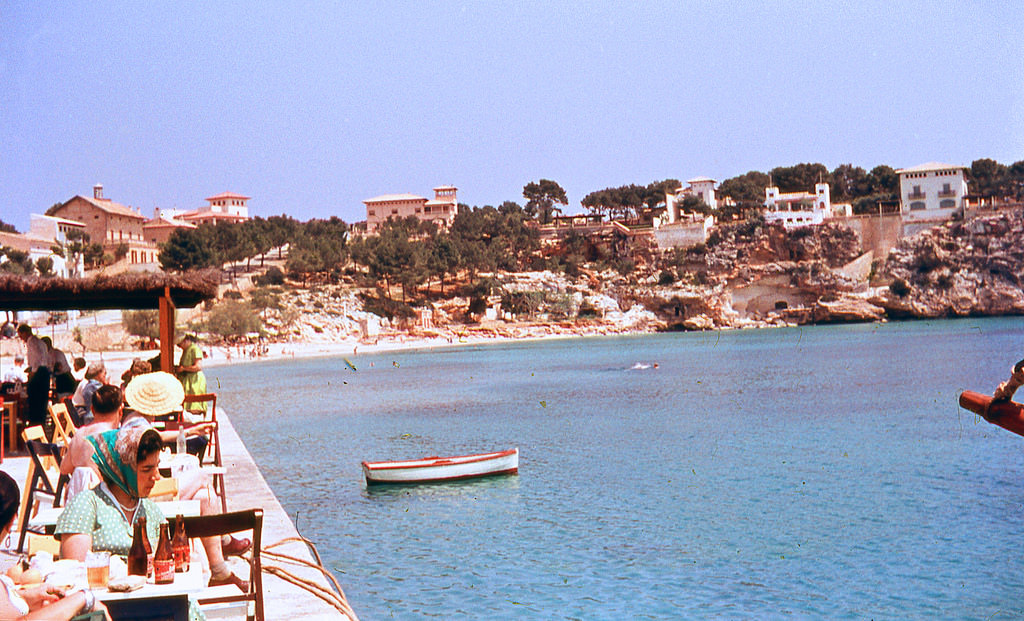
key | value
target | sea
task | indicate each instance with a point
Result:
(820, 472)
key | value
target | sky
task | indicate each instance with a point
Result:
(311, 107)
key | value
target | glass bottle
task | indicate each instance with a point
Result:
(182, 550)
(163, 559)
(138, 555)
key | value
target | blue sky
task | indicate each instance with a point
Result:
(309, 108)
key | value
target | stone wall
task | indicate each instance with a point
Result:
(878, 233)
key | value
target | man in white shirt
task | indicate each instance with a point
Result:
(40, 368)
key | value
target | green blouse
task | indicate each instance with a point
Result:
(194, 382)
(93, 512)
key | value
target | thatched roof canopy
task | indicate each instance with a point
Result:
(121, 291)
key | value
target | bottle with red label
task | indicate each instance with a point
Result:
(180, 546)
(163, 559)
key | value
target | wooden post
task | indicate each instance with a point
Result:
(167, 312)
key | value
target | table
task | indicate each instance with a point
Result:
(186, 583)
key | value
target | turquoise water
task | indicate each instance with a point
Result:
(821, 472)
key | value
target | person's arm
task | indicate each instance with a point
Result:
(64, 609)
(75, 546)
(1005, 390)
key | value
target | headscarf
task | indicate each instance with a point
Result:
(116, 453)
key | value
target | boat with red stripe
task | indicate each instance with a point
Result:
(441, 469)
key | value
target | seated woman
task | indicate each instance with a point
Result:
(103, 518)
(43, 601)
(154, 395)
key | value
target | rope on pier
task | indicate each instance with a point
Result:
(335, 598)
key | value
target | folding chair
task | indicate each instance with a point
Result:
(214, 448)
(39, 486)
(73, 412)
(63, 426)
(226, 524)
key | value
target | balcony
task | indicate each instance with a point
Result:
(918, 196)
(947, 194)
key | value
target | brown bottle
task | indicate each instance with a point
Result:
(138, 555)
(182, 551)
(163, 560)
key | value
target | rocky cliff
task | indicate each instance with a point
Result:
(753, 274)
(956, 269)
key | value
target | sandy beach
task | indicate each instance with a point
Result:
(117, 361)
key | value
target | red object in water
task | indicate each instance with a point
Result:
(1007, 414)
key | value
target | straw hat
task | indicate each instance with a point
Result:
(154, 394)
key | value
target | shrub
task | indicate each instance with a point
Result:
(899, 287)
(273, 276)
(231, 294)
(666, 278)
(587, 309)
(143, 323)
(232, 319)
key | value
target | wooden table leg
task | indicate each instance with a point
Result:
(11, 409)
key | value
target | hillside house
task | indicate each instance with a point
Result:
(931, 191)
(701, 187)
(110, 224)
(159, 229)
(441, 209)
(796, 209)
(224, 207)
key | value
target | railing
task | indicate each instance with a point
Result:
(947, 194)
(916, 195)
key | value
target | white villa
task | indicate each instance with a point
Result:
(931, 191)
(796, 209)
(701, 187)
(224, 207)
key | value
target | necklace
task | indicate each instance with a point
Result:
(123, 510)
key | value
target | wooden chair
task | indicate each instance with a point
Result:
(45, 543)
(39, 487)
(213, 450)
(73, 412)
(227, 524)
(63, 427)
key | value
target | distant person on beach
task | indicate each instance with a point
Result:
(95, 376)
(39, 370)
(63, 379)
(1004, 392)
(190, 371)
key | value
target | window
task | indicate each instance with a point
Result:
(948, 204)
(370, 212)
(917, 205)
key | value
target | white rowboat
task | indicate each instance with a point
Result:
(438, 469)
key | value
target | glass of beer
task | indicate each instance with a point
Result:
(97, 567)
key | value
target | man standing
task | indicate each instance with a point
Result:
(39, 366)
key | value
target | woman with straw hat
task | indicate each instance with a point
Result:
(157, 394)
